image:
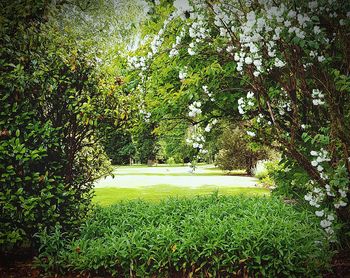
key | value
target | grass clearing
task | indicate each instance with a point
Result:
(181, 176)
(111, 195)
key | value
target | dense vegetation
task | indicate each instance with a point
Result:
(206, 236)
(84, 83)
(280, 69)
(55, 103)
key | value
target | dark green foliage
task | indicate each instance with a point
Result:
(205, 236)
(145, 142)
(119, 146)
(237, 151)
(50, 103)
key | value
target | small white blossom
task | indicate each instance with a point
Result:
(325, 223)
(251, 133)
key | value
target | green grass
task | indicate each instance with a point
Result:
(110, 195)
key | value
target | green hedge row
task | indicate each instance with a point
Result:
(204, 236)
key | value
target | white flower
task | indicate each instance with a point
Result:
(319, 213)
(314, 163)
(182, 6)
(319, 159)
(257, 62)
(250, 94)
(330, 217)
(314, 153)
(342, 193)
(287, 23)
(325, 223)
(251, 133)
(191, 51)
(317, 30)
(182, 74)
(329, 230)
(307, 197)
(292, 13)
(279, 63)
(319, 168)
(248, 60)
(173, 52)
(321, 58)
(313, 5)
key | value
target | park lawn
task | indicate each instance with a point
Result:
(111, 195)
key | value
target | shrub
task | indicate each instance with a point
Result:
(50, 104)
(238, 152)
(266, 171)
(171, 161)
(204, 236)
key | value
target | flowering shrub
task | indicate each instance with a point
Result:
(282, 67)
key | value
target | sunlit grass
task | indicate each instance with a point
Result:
(107, 196)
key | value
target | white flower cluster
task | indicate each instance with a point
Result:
(342, 201)
(246, 104)
(195, 109)
(259, 118)
(137, 62)
(210, 125)
(196, 141)
(209, 94)
(317, 97)
(315, 197)
(158, 39)
(190, 50)
(181, 7)
(283, 104)
(183, 73)
(319, 157)
(198, 30)
(146, 115)
(279, 63)
(251, 133)
(327, 222)
(141, 62)
(174, 51)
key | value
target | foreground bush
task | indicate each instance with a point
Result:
(51, 107)
(205, 236)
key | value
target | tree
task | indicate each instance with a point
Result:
(238, 152)
(283, 67)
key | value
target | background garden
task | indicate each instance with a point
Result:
(174, 138)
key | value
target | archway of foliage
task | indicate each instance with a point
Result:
(281, 67)
(56, 103)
